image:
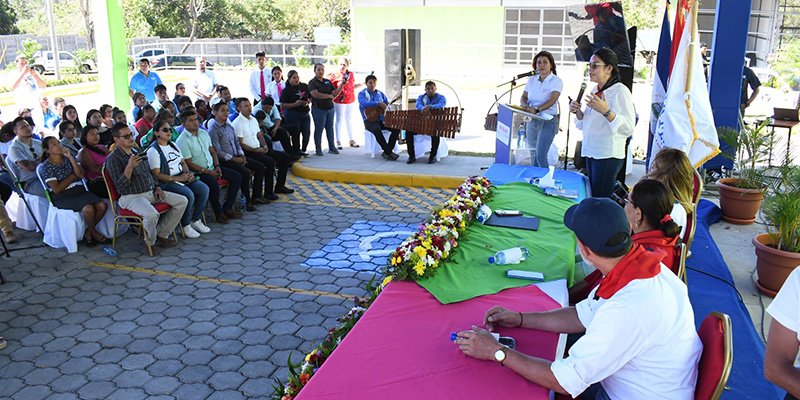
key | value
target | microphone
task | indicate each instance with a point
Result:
(580, 93)
(527, 74)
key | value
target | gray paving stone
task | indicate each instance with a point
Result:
(128, 394)
(226, 347)
(228, 332)
(96, 390)
(68, 383)
(32, 392)
(195, 373)
(202, 315)
(109, 356)
(132, 379)
(178, 311)
(197, 357)
(175, 323)
(76, 365)
(312, 332)
(63, 396)
(199, 342)
(226, 363)
(161, 385)
(255, 337)
(117, 340)
(226, 395)
(125, 315)
(91, 335)
(98, 323)
(285, 342)
(137, 361)
(103, 372)
(284, 328)
(258, 369)
(45, 326)
(41, 376)
(51, 358)
(169, 352)
(36, 339)
(226, 381)
(193, 391)
(165, 368)
(84, 350)
(172, 336)
(261, 388)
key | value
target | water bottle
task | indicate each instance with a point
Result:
(521, 132)
(242, 202)
(109, 251)
(513, 255)
(483, 214)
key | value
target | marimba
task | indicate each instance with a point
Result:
(443, 122)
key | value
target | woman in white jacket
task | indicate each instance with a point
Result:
(607, 121)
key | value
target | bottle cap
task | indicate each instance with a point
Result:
(491, 260)
(453, 336)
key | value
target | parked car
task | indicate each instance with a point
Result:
(159, 58)
(44, 62)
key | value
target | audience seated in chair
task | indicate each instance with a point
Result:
(372, 98)
(639, 337)
(673, 168)
(63, 175)
(171, 171)
(23, 157)
(68, 134)
(131, 175)
(92, 156)
(199, 155)
(272, 128)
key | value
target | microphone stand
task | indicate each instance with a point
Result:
(566, 146)
(513, 83)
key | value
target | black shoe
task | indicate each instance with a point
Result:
(284, 190)
(411, 160)
(431, 161)
(386, 156)
(318, 153)
(272, 196)
(304, 154)
(395, 156)
(260, 200)
(333, 151)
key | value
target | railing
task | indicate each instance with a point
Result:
(235, 53)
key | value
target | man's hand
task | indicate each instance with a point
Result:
(159, 193)
(238, 159)
(215, 173)
(499, 316)
(187, 177)
(134, 160)
(478, 343)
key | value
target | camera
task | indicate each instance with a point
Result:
(620, 194)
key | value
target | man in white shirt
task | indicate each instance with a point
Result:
(781, 364)
(639, 341)
(260, 78)
(204, 84)
(255, 150)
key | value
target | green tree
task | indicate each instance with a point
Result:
(255, 19)
(643, 14)
(8, 19)
(301, 17)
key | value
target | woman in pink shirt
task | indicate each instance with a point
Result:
(92, 156)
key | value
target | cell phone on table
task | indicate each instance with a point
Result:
(507, 213)
(527, 275)
(508, 341)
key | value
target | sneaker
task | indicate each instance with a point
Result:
(2, 343)
(333, 151)
(318, 153)
(190, 233)
(166, 242)
(200, 227)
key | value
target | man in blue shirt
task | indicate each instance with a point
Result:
(374, 101)
(145, 81)
(426, 102)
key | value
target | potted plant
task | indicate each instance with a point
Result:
(778, 250)
(740, 197)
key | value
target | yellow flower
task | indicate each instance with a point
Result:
(308, 357)
(426, 244)
(419, 268)
(420, 251)
(386, 281)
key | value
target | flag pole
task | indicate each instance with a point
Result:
(691, 49)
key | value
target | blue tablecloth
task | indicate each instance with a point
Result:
(503, 173)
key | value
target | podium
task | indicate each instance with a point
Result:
(509, 118)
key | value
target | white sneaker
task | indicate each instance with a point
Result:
(199, 226)
(190, 233)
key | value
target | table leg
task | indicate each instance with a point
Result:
(788, 146)
(771, 143)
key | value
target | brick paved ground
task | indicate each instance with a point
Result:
(191, 323)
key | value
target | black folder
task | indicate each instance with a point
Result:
(514, 221)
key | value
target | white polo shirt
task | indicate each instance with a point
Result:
(540, 91)
(786, 306)
(640, 344)
(603, 139)
(204, 81)
(247, 129)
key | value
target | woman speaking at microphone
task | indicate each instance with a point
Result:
(607, 121)
(541, 97)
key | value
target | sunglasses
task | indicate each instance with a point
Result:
(128, 136)
(32, 151)
(165, 130)
(596, 65)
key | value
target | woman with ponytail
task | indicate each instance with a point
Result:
(647, 207)
(607, 122)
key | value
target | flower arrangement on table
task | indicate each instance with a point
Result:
(416, 258)
(420, 255)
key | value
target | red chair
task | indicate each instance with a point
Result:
(124, 216)
(714, 367)
(691, 218)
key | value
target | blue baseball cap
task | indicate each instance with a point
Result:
(596, 221)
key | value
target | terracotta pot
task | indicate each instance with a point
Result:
(739, 206)
(773, 265)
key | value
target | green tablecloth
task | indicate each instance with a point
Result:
(468, 274)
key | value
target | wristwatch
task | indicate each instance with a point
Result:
(607, 113)
(536, 109)
(500, 354)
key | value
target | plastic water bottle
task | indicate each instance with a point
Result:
(483, 214)
(513, 255)
(242, 202)
(109, 251)
(521, 132)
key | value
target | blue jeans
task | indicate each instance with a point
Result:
(197, 195)
(540, 134)
(323, 119)
(603, 175)
(595, 392)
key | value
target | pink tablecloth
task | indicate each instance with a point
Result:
(401, 349)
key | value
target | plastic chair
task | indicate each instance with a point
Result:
(422, 145)
(64, 227)
(684, 254)
(124, 216)
(691, 218)
(20, 211)
(715, 363)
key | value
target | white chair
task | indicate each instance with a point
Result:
(64, 228)
(422, 145)
(371, 146)
(18, 211)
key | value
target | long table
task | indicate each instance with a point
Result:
(401, 348)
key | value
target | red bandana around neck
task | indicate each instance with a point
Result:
(637, 264)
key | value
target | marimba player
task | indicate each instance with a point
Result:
(426, 102)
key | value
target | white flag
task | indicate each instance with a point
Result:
(686, 122)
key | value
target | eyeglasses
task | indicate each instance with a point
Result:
(596, 65)
(128, 136)
(32, 151)
(165, 130)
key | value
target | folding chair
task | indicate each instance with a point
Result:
(715, 363)
(64, 227)
(21, 194)
(691, 219)
(124, 216)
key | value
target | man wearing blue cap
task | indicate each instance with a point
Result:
(639, 338)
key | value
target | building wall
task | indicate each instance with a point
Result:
(452, 45)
